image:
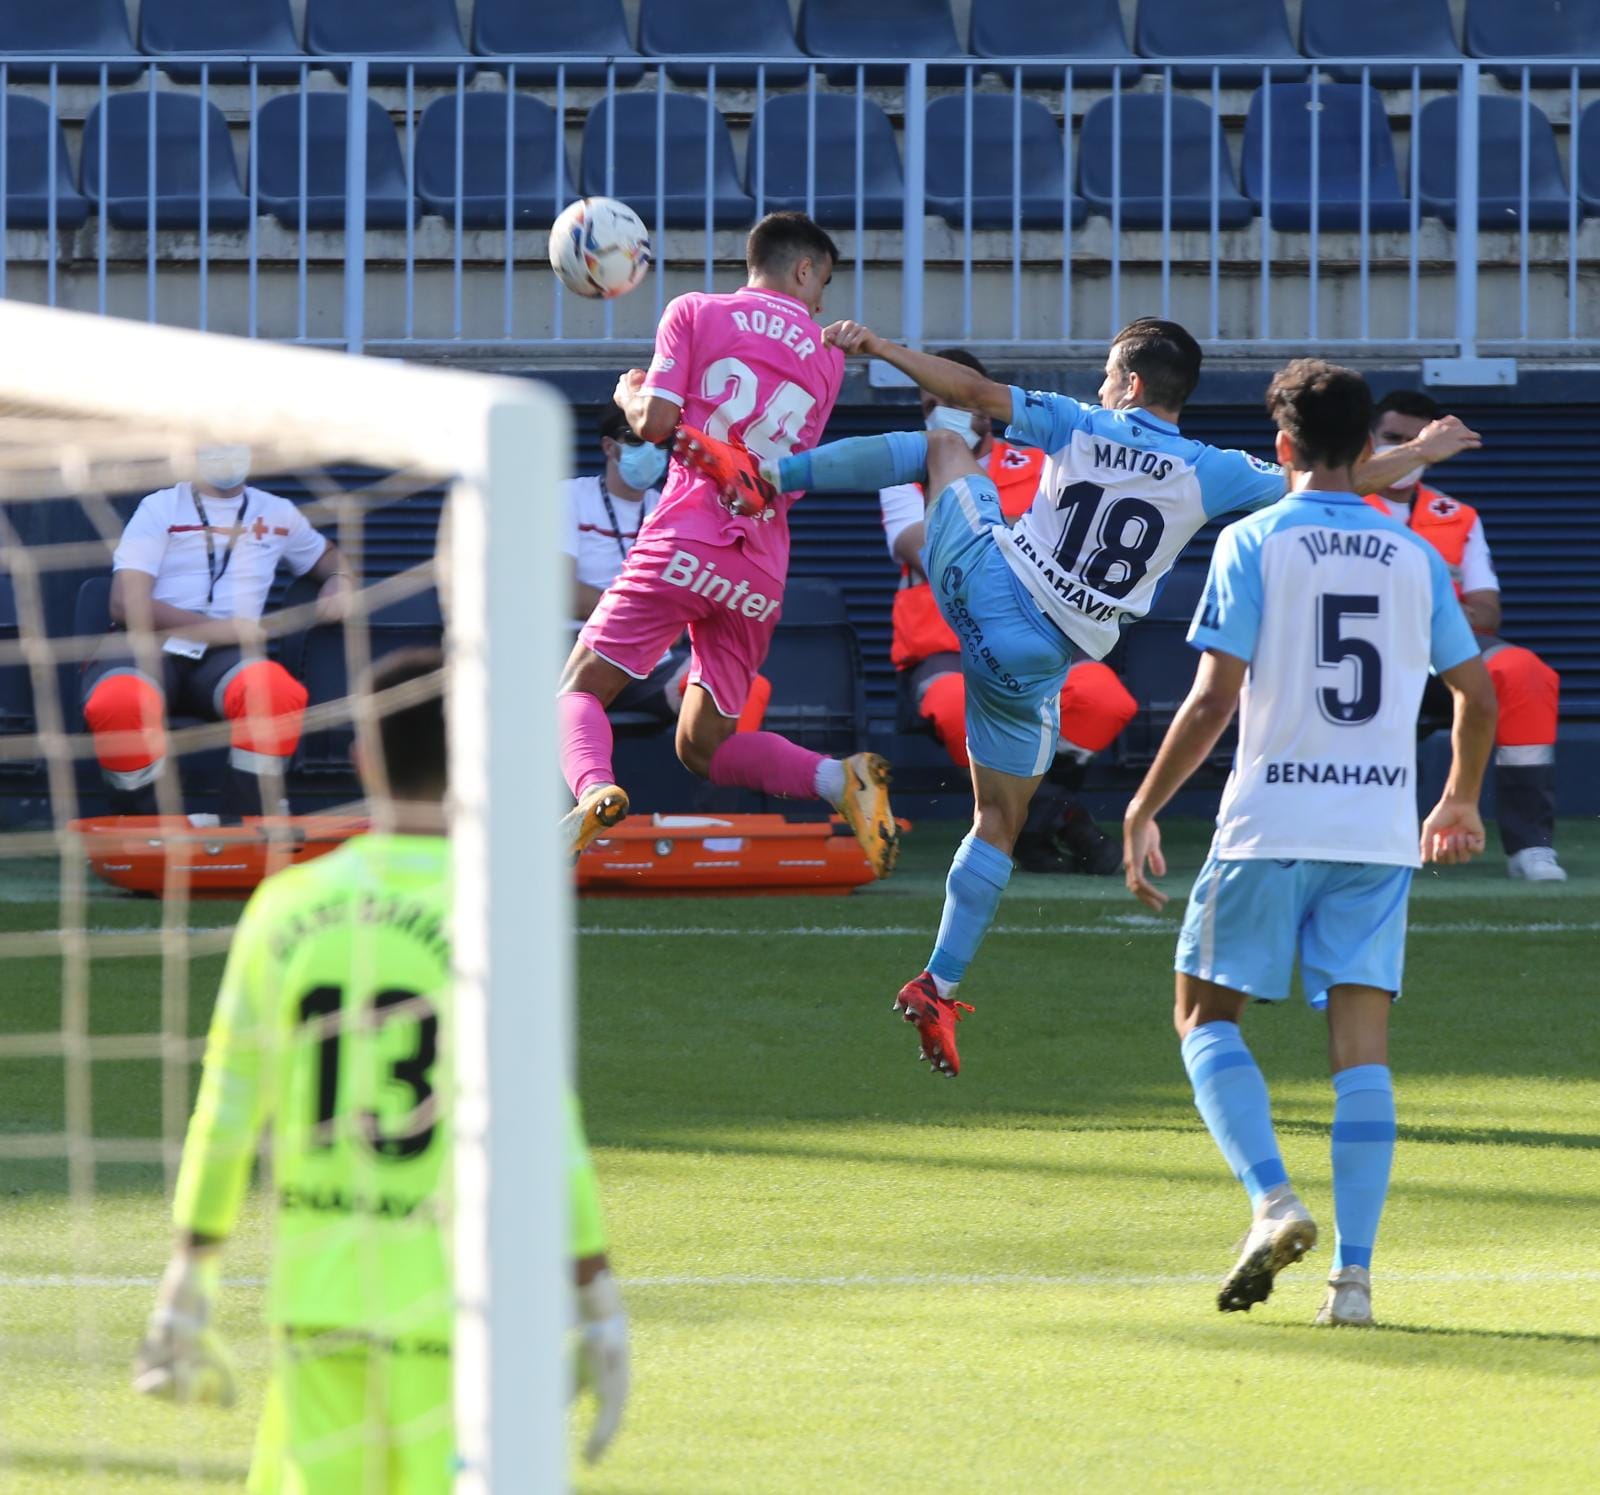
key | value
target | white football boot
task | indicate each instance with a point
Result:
(1282, 1232)
(1536, 864)
(1348, 1299)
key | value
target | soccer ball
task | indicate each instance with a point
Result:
(599, 247)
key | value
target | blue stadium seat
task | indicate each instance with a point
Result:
(740, 28)
(170, 29)
(596, 28)
(1334, 118)
(183, 128)
(994, 120)
(412, 622)
(1170, 29)
(779, 137)
(541, 182)
(277, 146)
(1500, 134)
(64, 29)
(412, 28)
(1536, 28)
(1587, 149)
(912, 29)
(1199, 166)
(684, 188)
(28, 132)
(1088, 29)
(815, 668)
(1382, 28)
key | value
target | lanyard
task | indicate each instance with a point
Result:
(213, 570)
(611, 514)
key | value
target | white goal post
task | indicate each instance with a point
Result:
(89, 404)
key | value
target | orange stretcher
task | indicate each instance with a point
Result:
(679, 855)
(658, 856)
(147, 853)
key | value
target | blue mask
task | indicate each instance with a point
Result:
(641, 466)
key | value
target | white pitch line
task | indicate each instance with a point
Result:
(1169, 929)
(875, 1280)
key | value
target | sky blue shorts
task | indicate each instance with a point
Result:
(1014, 659)
(1248, 920)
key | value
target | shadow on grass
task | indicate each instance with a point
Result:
(1389, 1347)
(1536, 1336)
(72, 1463)
(818, 1150)
(1464, 1136)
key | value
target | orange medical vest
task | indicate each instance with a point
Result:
(1442, 521)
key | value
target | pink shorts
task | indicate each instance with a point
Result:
(673, 582)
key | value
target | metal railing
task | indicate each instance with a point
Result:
(1029, 249)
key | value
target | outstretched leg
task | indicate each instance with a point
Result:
(1013, 663)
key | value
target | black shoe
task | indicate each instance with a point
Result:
(1089, 849)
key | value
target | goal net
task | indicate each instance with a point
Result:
(112, 933)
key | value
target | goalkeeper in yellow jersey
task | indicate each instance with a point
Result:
(333, 1026)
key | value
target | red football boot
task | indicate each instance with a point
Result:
(936, 1018)
(731, 468)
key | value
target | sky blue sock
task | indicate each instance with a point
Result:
(858, 464)
(1232, 1099)
(978, 876)
(1363, 1149)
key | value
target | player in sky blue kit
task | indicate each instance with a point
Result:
(1122, 493)
(1320, 621)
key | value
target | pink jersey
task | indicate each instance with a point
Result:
(750, 365)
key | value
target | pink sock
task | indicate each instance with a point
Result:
(585, 742)
(768, 762)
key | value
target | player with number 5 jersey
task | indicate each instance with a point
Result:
(752, 368)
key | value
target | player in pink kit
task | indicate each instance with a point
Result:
(748, 367)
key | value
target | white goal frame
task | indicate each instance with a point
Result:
(505, 443)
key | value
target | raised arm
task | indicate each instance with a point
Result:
(1438, 441)
(950, 383)
(649, 417)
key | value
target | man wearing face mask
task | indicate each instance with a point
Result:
(194, 567)
(1060, 834)
(1527, 688)
(605, 511)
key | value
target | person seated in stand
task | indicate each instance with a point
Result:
(605, 512)
(193, 567)
(1060, 834)
(1528, 690)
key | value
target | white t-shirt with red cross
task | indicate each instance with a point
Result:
(250, 534)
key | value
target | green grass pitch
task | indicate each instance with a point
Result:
(849, 1276)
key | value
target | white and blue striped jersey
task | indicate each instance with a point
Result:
(1121, 494)
(1339, 611)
